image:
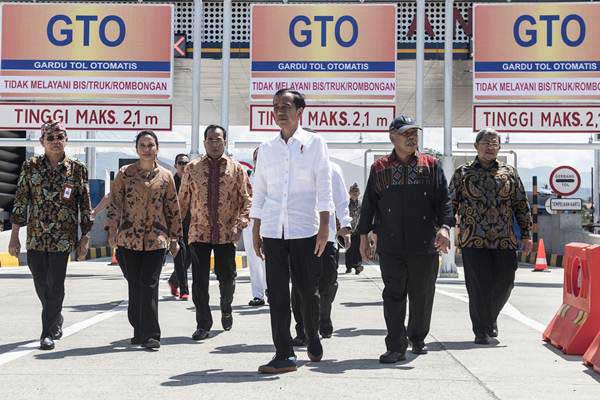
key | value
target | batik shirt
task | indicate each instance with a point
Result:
(354, 207)
(486, 199)
(52, 201)
(215, 192)
(143, 209)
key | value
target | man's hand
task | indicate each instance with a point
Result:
(366, 251)
(256, 239)
(14, 246)
(82, 248)
(174, 248)
(345, 233)
(237, 234)
(442, 240)
(322, 237)
(527, 245)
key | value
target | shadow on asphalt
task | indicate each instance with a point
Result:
(340, 367)
(363, 304)
(244, 348)
(94, 307)
(562, 355)
(217, 376)
(353, 332)
(593, 374)
(464, 345)
(5, 348)
(517, 284)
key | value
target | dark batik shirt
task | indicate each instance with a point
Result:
(52, 202)
(485, 200)
(354, 208)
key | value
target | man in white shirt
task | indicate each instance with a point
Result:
(290, 208)
(328, 284)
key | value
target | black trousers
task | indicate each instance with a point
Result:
(293, 257)
(413, 276)
(353, 258)
(49, 270)
(182, 261)
(328, 287)
(489, 277)
(226, 274)
(142, 271)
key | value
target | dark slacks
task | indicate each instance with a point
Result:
(142, 271)
(353, 258)
(328, 287)
(49, 270)
(293, 257)
(226, 274)
(489, 277)
(413, 276)
(182, 261)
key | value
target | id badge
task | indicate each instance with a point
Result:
(67, 193)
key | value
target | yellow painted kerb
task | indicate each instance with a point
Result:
(6, 260)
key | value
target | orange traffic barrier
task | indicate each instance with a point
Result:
(541, 265)
(591, 357)
(578, 319)
(113, 260)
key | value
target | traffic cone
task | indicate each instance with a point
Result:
(113, 260)
(541, 265)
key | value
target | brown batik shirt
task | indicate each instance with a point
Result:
(143, 208)
(488, 200)
(52, 201)
(216, 194)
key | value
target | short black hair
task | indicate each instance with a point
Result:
(299, 100)
(486, 132)
(212, 128)
(146, 133)
(180, 155)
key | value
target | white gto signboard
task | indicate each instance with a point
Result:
(329, 118)
(530, 118)
(87, 116)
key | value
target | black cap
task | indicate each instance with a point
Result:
(403, 123)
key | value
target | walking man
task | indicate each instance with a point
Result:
(488, 197)
(291, 206)
(406, 204)
(178, 282)
(353, 258)
(52, 199)
(214, 190)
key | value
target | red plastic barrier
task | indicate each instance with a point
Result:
(591, 358)
(577, 321)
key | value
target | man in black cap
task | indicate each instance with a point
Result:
(406, 204)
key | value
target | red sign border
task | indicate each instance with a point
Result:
(545, 105)
(392, 106)
(170, 105)
(555, 170)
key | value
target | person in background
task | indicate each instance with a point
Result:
(178, 282)
(143, 220)
(256, 264)
(52, 199)
(353, 258)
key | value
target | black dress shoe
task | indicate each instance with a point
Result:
(419, 348)
(493, 331)
(326, 335)
(391, 357)
(482, 338)
(359, 269)
(227, 321)
(46, 343)
(151, 344)
(279, 365)
(256, 302)
(57, 333)
(299, 341)
(314, 350)
(136, 340)
(200, 334)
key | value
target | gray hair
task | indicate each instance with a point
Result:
(487, 132)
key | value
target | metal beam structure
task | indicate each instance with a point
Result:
(227, 15)
(115, 143)
(538, 146)
(198, 18)
(420, 67)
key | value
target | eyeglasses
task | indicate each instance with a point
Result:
(52, 138)
(490, 144)
(182, 163)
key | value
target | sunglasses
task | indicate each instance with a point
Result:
(52, 138)
(182, 163)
